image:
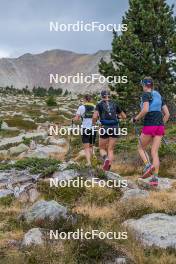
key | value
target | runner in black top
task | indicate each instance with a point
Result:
(108, 112)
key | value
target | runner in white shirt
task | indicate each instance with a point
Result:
(85, 112)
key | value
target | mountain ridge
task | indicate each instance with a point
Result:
(34, 69)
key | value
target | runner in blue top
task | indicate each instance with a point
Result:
(155, 114)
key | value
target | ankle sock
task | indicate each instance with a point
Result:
(104, 157)
(147, 164)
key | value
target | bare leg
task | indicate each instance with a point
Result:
(145, 140)
(111, 145)
(91, 149)
(88, 154)
(154, 152)
(103, 143)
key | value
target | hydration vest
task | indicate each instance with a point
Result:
(89, 110)
(155, 103)
(108, 116)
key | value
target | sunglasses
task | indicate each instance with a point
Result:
(146, 82)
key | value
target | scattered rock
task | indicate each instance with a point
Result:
(131, 185)
(33, 195)
(54, 141)
(28, 119)
(133, 194)
(23, 197)
(65, 175)
(14, 151)
(65, 165)
(119, 260)
(4, 154)
(13, 177)
(113, 176)
(45, 210)
(4, 126)
(19, 139)
(33, 237)
(163, 183)
(50, 151)
(155, 230)
(33, 145)
(13, 243)
(5, 192)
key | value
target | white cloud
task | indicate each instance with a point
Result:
(4, 54)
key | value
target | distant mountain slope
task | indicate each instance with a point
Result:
(34, 70)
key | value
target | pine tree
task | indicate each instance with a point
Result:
(147, 48)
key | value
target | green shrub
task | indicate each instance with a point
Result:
(91, 251)
(17, 121)
(35, 165)
(6, 201)
(51, 101)
(26, 141)
(64, 195)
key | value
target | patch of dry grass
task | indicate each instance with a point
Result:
(96, 212)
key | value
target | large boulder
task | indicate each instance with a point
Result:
(155, 230)
(33, 237)
(45, 210)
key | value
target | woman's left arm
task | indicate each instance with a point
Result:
(166, 113)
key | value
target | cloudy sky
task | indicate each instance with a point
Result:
(24, 25)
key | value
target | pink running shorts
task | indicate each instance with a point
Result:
(153, 130)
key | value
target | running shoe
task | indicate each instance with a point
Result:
(153, 181)
(149, 168)
(106, 165)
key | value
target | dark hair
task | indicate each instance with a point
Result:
(87, 97)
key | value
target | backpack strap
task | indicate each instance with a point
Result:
(89, 110)
(109, 115)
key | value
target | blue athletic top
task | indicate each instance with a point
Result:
(154, 117)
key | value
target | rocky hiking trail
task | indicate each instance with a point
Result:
(30, 208)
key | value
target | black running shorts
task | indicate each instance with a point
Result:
(109, 132)
(88, 137)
